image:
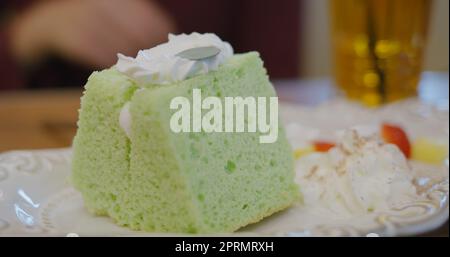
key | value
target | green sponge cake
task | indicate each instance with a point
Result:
(131, 165)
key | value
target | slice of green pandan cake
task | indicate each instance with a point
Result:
(148, 177)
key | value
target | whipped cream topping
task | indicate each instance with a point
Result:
(161, 65)
(360, 175)
(125, 119)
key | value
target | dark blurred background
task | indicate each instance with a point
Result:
(48, 43)
(58, 43)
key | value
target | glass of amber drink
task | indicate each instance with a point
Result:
(378, 47)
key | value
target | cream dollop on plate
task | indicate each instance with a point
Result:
(360, 175)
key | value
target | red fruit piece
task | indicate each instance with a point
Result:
(322, 146)
(395, 135)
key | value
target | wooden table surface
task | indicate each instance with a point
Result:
(47, 119)
(38, 119)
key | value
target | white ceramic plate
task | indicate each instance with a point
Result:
(36, 198)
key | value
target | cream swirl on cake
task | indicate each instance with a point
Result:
(163, 64)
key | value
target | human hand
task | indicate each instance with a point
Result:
(90, 32)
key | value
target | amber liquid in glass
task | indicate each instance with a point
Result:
(378, 47)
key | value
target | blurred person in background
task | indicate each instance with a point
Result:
(57, 43)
